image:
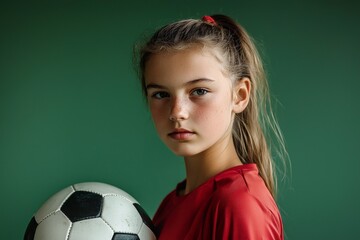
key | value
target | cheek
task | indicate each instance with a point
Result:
(214, 113)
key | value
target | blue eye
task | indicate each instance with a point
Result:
(199, 92)
(160, 95)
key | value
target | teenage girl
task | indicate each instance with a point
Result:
(205, 87)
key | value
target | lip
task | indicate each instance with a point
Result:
(181, 134)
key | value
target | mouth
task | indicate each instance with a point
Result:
(181, 134)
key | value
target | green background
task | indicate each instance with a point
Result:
(71, 108)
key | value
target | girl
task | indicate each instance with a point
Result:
(207, 94)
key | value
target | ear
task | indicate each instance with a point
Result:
(241, 94)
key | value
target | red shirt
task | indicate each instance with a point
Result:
(234, 204)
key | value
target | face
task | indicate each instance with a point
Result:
(190, 100)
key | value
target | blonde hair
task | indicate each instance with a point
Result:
(241, 60)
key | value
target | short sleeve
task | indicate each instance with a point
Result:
(244, 217)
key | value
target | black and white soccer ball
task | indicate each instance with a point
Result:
(90, 211)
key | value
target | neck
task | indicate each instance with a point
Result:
(207, 164)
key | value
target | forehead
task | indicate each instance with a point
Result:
(193, 62)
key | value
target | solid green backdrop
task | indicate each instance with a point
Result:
(71, 108)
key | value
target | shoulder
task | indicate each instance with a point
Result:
(166, 203)
(243, 195)
(241, 201)
(243, 190)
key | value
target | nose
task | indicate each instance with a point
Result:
(178, 110)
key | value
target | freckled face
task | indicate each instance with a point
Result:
(190, 100)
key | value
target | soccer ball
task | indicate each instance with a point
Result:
(90, 211)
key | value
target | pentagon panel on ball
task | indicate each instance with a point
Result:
(90, 211)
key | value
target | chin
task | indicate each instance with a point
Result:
(184, 151)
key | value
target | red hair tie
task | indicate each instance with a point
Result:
(209, 19)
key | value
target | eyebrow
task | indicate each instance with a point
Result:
(191, 82)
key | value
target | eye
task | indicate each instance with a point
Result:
(199, 92)
(160, 95)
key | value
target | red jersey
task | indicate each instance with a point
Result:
(234, 204)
